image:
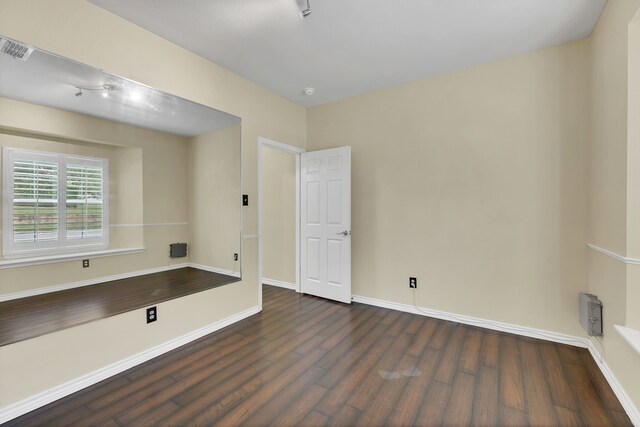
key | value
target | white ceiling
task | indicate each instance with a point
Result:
(349, 47)
(50, 80)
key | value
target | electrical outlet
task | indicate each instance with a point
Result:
(152, 314)
(85, 263)
(235, 257)
(413, 283)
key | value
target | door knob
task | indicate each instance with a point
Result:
(344, 233)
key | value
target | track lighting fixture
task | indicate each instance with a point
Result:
(105, 90)
(106, 93)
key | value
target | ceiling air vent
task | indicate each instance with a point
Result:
(15, 49)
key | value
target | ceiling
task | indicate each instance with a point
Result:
(53, 81)
(348, 47)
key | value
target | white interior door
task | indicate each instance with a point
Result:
(325, 223)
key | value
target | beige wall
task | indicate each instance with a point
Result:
(633, 173)
(214, 192)
(139, 161)
(81, 31)
(608, 168)
(278, 215)
(613, 185)
(475, 183)
(494, 178)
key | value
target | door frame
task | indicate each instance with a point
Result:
(269, 143)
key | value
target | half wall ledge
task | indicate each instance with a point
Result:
(30, 317)
(631, 336)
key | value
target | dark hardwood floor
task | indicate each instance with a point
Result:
(305, 361)
(30, 317)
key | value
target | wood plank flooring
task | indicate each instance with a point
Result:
(30, 317)
(304, 361)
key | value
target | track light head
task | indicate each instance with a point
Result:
(106, 93)
(104, 89)
(307, 11)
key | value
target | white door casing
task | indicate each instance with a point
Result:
(325, 229)
(265, 142)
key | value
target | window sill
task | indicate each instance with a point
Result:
(631, 336)
(25, 262)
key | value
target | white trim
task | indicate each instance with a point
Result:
(6, 197)
(215, 269)
(157, 224)
(29, 404)
(630, 408)
(260, 221)
(25, 262)
(241, 245)
(621, 394)
(279, 283)
(88, 282)
(298, 283)
(250, 237)
(631, 336)
(475, 321)
(265, 142)
(626, 260)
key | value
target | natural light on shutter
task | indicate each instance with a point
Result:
(53, 203)
(84, 202)
(35, 201)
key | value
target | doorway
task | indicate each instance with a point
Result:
(304, 196)
(278, 215)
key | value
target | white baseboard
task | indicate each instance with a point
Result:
(475, 321)
(20, 408)
(621, 394)
(630, 408)
(215, 269)
(89, 282)
(279, 283)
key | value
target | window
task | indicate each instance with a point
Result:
(53, 203)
